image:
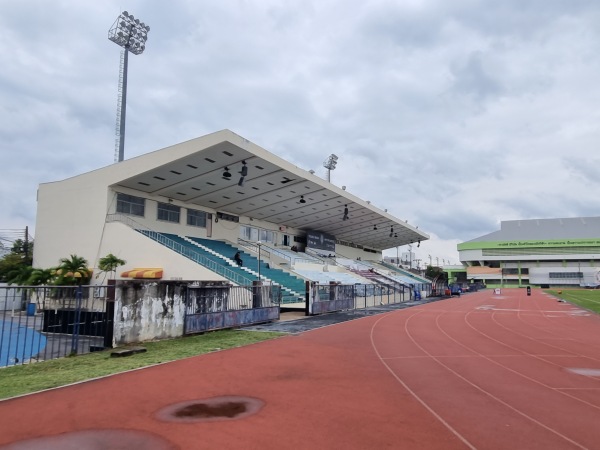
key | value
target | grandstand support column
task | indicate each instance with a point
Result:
(256, 294)
(259, 245)
(257, 285)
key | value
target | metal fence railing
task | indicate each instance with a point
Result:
(183, 250)
(219, 307)
(42, 323)
(363, 295)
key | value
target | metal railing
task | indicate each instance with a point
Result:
(220, 307)
(42, 323)
(367, 295)
(183, 250)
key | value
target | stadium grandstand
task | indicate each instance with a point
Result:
(183, 212)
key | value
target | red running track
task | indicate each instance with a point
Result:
(482, 371)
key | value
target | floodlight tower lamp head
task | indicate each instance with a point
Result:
(330, 164)
(129, 33)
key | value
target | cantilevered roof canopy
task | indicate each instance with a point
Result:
(272, 190)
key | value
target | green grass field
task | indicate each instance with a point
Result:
(586, 298)
(18, 380)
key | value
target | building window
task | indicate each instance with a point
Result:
(128, 204)
(570, 275)
(196, 218)
(169, 213)
(257, 234)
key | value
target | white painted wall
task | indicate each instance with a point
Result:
(70, 218)
(141, 251)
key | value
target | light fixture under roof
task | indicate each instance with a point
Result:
(374, 227)
(226, 173)
(391, 231)
(345, 213)
(302, 199)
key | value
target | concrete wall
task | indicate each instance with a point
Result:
(70, 219)
(147, 310)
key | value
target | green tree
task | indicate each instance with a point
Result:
(435, 272)
(72, 271)
(24, 249)
(110, 263)
(11, 264)
(19, 275)
(41, 277)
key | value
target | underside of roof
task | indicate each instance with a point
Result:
(263, 186)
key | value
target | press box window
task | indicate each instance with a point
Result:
(128, 204)
(169, 213)
(196, 218)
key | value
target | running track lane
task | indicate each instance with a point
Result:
(481, 371)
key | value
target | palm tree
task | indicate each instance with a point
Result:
(19, 275)
(110, 263)
(41, 277)
(72, 271)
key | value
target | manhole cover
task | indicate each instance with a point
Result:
(94, 440)
(211, 409)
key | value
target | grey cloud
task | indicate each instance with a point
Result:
(472, 78)
(453, 115)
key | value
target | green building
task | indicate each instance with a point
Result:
(538, 252)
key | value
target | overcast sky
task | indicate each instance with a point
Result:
(453, 115)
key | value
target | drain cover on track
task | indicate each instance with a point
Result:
(94, 440)
(211, 409)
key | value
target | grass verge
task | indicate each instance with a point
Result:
(586, 298)
(18, 380)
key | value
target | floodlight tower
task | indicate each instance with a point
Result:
(330, 164)
(131, 34)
